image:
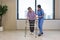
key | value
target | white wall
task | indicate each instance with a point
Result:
(48, 24)
(59, 10)
(9, 19)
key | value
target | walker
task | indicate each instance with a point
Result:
(26, 25)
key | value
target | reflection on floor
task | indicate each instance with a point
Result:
(20, 35)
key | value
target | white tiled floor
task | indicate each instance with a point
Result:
(19, 35)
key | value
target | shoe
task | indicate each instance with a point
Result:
(42, 33)
(39, 34)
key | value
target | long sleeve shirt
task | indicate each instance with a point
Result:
(31, 15)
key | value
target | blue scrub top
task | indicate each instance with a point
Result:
(40, 12)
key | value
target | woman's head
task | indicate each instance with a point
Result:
(29, 9)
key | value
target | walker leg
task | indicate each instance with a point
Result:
(36, 30)
(25, 29)
(25, 32)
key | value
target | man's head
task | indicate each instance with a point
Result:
(39, 7)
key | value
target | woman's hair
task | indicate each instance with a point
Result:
(39, 6)
(29, 8)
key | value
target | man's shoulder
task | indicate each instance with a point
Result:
(42, 9)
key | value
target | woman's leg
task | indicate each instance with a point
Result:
(32, 25)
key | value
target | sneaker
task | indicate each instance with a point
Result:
(42, 33)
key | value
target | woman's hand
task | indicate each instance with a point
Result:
(36, 16)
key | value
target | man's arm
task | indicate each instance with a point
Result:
(41, 16)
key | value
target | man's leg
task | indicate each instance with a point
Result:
(41, 26)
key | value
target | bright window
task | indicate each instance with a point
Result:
(47, 6)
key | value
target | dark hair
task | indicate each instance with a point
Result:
(39, 6)
(29, 8)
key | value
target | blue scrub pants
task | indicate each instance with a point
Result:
(40, 24)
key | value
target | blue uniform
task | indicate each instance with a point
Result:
(40, 20)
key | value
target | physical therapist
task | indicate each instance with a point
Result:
(40, 14)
